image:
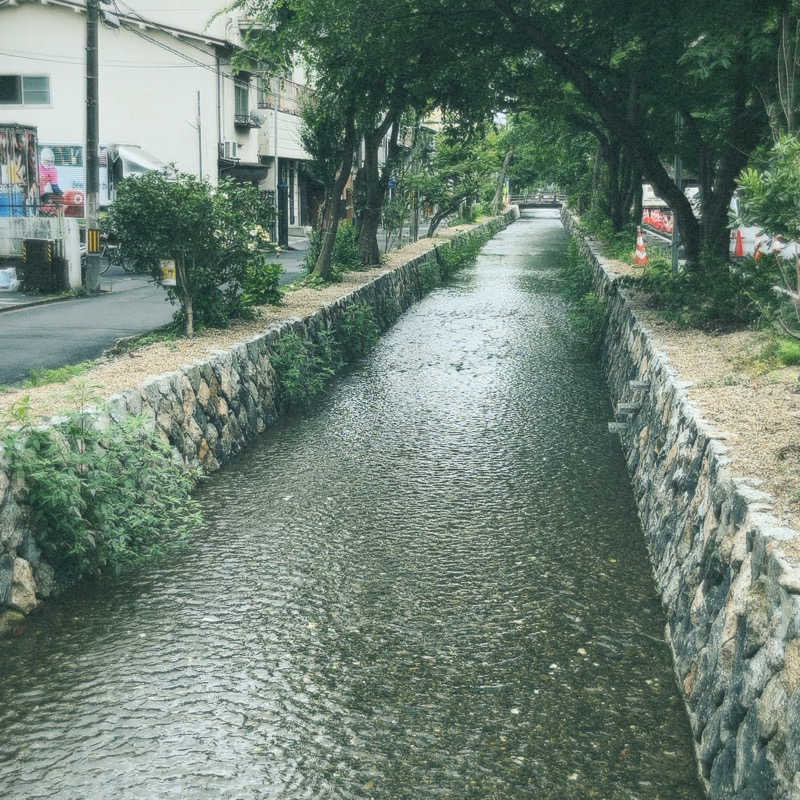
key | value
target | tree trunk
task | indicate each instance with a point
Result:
(183, 288)
(498, 192)
(637, 198)
(330, 217)
(612, 190)
(435, 222)
(598, 157)
(375, 188)
(359, 200)
(371, 213)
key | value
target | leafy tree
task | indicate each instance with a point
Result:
(214, 236)
(635, 71)
(771, 199)
(329, 136)
(546, 150)
(379, 60)
(460, 169)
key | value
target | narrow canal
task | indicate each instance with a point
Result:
(433, 587)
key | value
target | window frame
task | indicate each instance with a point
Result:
(23, 102)
(241, 89)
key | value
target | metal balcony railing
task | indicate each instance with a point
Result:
(290, 96)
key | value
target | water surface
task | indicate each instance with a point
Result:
(433, 587)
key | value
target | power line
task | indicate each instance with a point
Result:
(71, 60)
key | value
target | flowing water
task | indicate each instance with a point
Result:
(435, 586)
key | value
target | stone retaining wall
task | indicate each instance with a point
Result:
(207, 411)
(725, 569)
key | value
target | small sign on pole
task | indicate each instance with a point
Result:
(93, 240)
(168, 272)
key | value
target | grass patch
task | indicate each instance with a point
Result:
(41, 376)
(585, 311)
(167, 333)
(779, 351)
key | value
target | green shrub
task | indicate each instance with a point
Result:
(585, 311)
(430, 275)
(576, 273)
(302, 368)
(587, 318)
(357, 332)
(211, 233)
(101, 501)
(720, 296)
(345, 256)
(261, 284)
(388, 311)
(461, 252)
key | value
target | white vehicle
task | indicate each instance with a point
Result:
(756, 240)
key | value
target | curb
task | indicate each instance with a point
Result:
(32, 303)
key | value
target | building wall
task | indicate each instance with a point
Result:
(148, 95)
(149, 80)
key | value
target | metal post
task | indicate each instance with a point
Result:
(199, 141)
(275, 87)
(92, 145)
(679, 183)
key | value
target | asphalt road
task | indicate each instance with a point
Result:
(75, 330)
(70, 331)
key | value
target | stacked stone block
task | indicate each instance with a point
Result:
(726, 570)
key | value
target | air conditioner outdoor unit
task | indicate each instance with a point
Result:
(229, 149)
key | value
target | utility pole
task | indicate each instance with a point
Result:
(92, 149)
(199, 141)
(275, 87)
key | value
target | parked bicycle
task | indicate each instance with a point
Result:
(110, 255)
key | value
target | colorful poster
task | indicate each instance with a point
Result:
(19, 185)
(62, 179)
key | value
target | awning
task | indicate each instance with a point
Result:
(243, 170)
(135, 160)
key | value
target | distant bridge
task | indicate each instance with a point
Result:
(539, 200)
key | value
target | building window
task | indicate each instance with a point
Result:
(263, 92)
(18, 90)
(240, 95)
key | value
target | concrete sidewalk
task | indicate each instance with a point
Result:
(116, 280)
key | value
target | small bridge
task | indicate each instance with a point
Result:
(539, 200)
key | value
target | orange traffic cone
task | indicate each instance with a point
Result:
(640, 259)
(738, 250)
(757, 248)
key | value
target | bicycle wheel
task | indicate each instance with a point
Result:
(119, 261)
(105, 259)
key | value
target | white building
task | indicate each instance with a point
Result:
(167, 88)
